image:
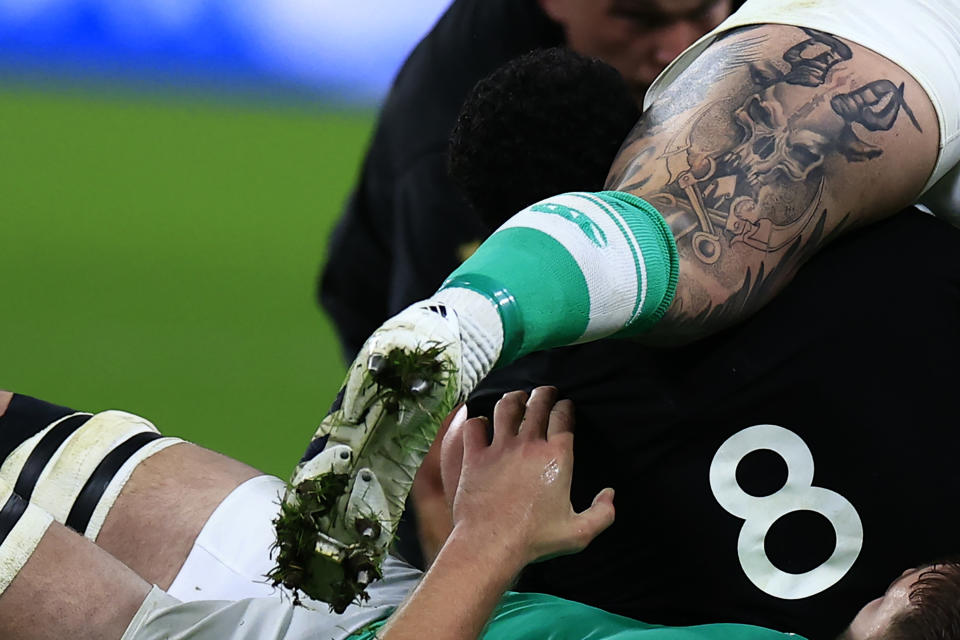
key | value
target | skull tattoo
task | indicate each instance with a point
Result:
(771, 146)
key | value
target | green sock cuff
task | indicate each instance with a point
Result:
(573, 268)
(660, 255)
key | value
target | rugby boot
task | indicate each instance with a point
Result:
(345, 499)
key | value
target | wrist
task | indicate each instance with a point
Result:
(483, 551)
(460, 591)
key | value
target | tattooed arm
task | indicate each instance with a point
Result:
(771, 143)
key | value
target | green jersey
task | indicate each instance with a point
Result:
(535, 616)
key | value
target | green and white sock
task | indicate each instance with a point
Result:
(572, 268)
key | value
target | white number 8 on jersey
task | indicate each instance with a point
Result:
(798, 494)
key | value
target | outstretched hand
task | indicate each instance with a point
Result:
(515, 492)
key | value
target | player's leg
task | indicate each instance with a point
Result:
(770, 144)
(774, 141)
(534, 284)
(197, 518)
(73, 464)
(144, 498)
(162, 517)
(55, 584)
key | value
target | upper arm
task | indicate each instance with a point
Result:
(773, 141)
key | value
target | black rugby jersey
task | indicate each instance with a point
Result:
(406, 225)
(783, 472)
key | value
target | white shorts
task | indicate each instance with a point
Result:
(224, 565)
(922, 36)
(163, 617)
(221, 592)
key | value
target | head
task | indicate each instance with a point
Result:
(637, 37)
(545, 123)
(922, 604)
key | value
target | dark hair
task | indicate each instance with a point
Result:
(934, 612)
(544, 123)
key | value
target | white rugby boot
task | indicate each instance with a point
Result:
(346, 497)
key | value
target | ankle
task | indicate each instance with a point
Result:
(481, 334)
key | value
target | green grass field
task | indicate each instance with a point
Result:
(160, 256)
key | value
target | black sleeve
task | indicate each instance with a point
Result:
(390, 250)
(353, 283)
(24, 418)
(435, 229)
(851, 367)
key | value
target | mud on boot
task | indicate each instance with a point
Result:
(341, 510)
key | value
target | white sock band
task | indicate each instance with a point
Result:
(76, 467)
(21, 527)
(481, 333)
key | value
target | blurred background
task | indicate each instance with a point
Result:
(170, 171)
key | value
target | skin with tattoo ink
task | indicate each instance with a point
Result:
(798, 137)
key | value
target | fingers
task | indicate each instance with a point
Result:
(578, 531)
(474, 435)
(454, 419)
(453, 436)
(451, 453)
(597, 517)
(561, 419)
(507, 416)
(535, 418)
(539, 407)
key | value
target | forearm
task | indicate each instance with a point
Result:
(458, 594)
(756, 161)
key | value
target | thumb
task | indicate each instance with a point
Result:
(597, 517)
